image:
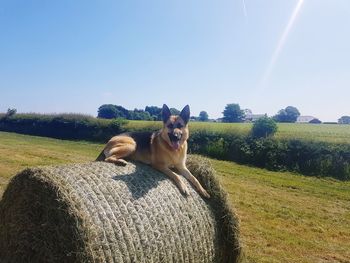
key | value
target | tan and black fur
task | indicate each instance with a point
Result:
(163, 150)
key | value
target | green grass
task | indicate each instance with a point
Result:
(284, 217)
(315, 132)
(287, 217)
(20, 151)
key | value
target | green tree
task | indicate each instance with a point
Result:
(174, 111)
(264, 127)
(203, 116)
(122, 112)
(107, 111)
(233, 113)
(11, 112)
(155, 112)
(137, 114)
(110, 111)
(289, 114)
(344, 120)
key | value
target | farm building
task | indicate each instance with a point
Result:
(253, 117)
(306, 119)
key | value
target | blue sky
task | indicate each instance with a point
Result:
(73, 56)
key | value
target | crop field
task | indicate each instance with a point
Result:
(315, 132)
(285, 217)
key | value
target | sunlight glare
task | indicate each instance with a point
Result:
(281, 43)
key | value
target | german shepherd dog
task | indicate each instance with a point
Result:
(163, 149)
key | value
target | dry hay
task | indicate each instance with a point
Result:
(99, 212)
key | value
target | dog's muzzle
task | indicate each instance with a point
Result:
(175, 140)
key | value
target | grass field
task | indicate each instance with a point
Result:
(317, 132)
(284, 217)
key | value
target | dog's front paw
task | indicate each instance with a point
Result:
(116, 161)
(183, 189)
(120, 162)
(204, 193)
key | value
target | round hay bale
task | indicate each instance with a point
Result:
(99, 212)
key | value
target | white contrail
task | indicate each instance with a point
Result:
(244, 9)
(281, 43)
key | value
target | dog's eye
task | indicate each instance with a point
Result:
(171, 126)
(179, 126)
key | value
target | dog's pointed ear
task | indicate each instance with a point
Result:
(185, 114)
(165, 113)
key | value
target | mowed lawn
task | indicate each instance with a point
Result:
(284, 217)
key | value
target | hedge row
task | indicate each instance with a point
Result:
(62, 126)
(306, 157)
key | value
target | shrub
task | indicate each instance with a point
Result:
(264, 127)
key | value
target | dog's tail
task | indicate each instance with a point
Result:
(101, 157)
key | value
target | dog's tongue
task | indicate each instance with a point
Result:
(176, 145)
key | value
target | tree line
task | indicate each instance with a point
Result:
(150, 113)
(232, 113)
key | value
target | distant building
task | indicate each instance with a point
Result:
(247, 111)
(306, 119)
(253, 117)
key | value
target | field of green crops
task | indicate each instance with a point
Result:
(284, 217)
(318, 132)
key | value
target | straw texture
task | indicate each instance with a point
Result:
(99, 212)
